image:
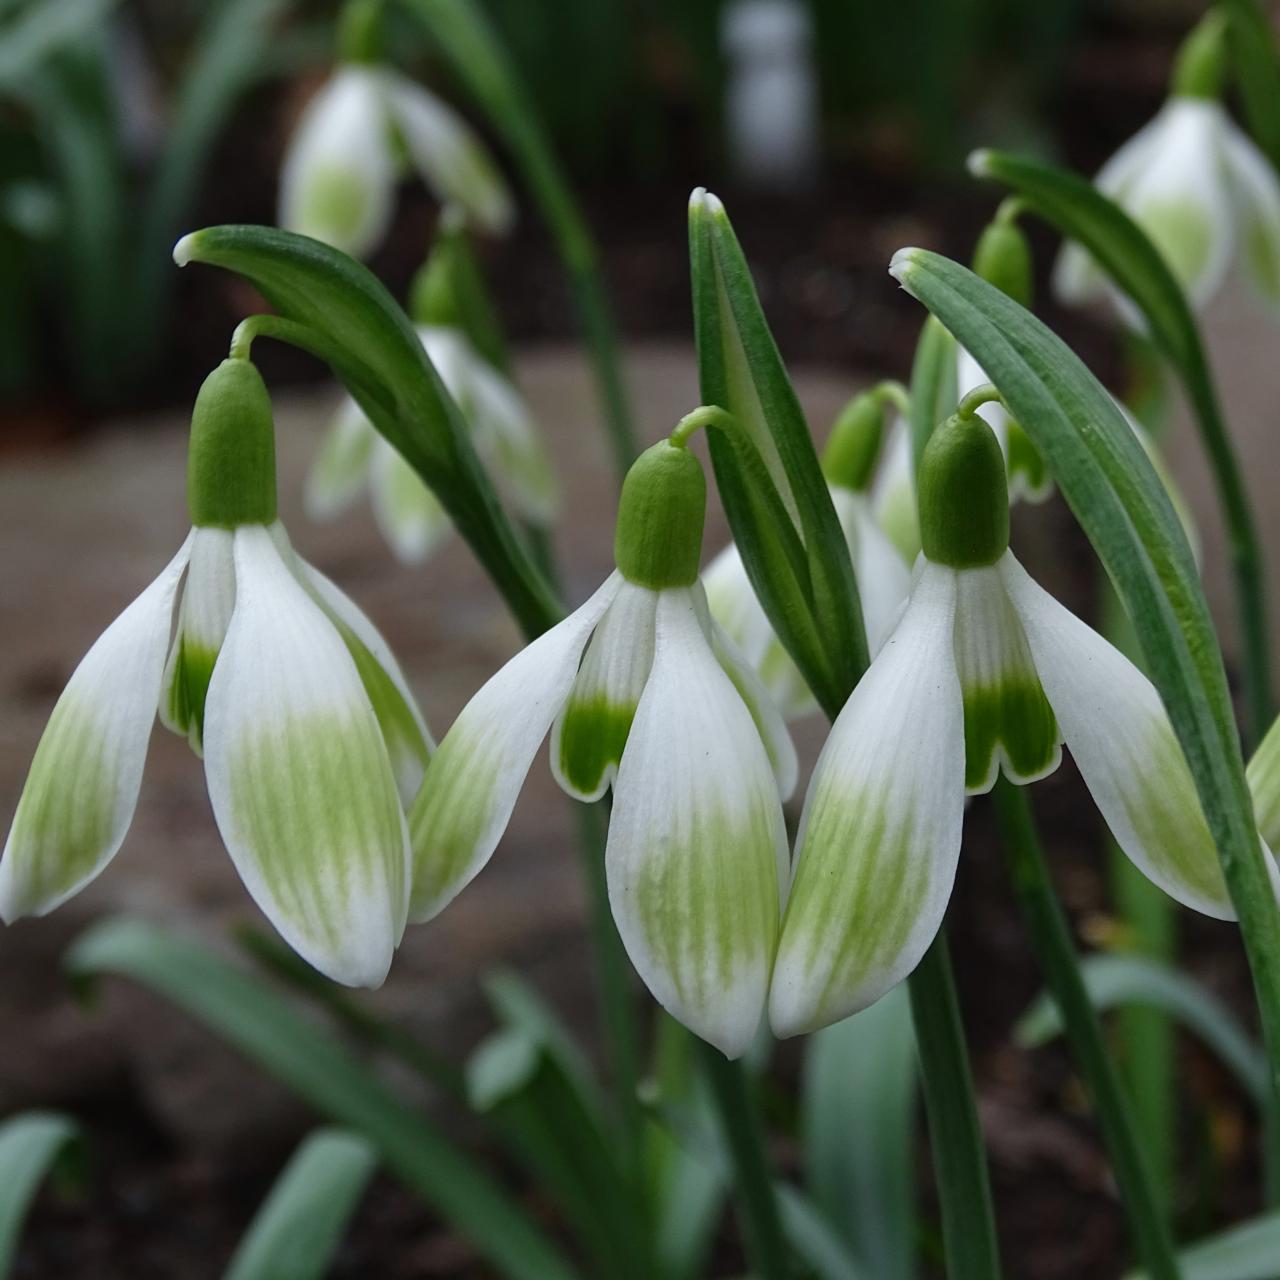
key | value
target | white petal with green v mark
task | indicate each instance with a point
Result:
(884, 581)
(299, 777)
(338, 179)
(1008, 723)
(475, 776)
(83, 786)
(697, 850)
(880, 835)
(208, 598)
(1257, 193)
(410, 516)
(1119, 735)
(451, 159)
(341, 467)
(591, 730)
(408, 740)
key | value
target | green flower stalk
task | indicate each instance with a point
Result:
(643, 692)
(310, 736)
(986, 673)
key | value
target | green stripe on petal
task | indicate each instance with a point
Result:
(83, 786)
(880, 835)
(187, 685)
(697, 847)
(1007, 719)
(590, 736)
(299, 776)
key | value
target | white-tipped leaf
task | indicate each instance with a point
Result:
(299, 776)
(338, 178)
(1119, 734)
(340, 469)
(411, 517)
(82, 789)
(591, 729)
(697, 850)
(880, 835)
(884, 581)
(476, 774)
(450, 158)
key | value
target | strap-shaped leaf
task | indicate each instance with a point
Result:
(301, 1223)
(1107, 480)
(316, 1067)
(1113, 980)
(1127, 255)
(31, 1145)
(1244, 1252)
(356, 325)
(42, 29)
(1257, 60)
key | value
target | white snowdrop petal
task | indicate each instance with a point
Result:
(83, 786)
(884, 581)
(880, 835)
(299, 777)
(1257, 191)
(411, 517)
(893, 493)
(697, 846)
(341, 467)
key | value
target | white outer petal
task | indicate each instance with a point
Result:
(475, 776)
(884, 581)
(82, 790)
(880, 835)
(341, 466)
(299, 777)
(1257, 192)
(893, 493)
(410, 516)
(342, 134)
(1118, 733)
(697, 850)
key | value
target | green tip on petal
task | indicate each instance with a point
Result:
(963, 495)
(1003, 258)
(849, 458)
(1201, 64)
(658, 542)
(231, 465)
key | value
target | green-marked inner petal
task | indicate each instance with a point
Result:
(592, 736)
(1011, 724)
(334, 203)
(1182, 232)
(188, 688)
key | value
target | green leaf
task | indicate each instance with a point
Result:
(1253, 46)
(270, 1033)
(40, 29)
(31, 1145)
(933, 384)
(335, 307)
(815, 1240)
(741, 371)
(301, 1223)
(858, 1108)
(1113, 980)
(1245, 1252)
(1127, 255)
(1106, 478)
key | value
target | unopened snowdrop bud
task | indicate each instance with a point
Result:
(642, 691)
(1201, 64)
(1002, 257)
(853, 448)
(964, 497)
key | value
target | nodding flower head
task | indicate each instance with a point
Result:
(309, 733)
(985, 673)
(643, 692)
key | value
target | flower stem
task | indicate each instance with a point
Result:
(1051, 940)
(740, 1127)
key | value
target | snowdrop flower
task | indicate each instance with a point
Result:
(340, 168)
(893, 492)
(985, 672)
(304, 720)
(642, 691)
(1196, 183)
(848, 462)
(354, 454)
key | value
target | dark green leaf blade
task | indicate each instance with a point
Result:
(31, 1144)
(1253, 46)
(1244, 1252)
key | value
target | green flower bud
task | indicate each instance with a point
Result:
(231, 461)
(1003, 258)
(849, 458)
(658, 542)
(360, 31)
(1201, 64)
(964, 495)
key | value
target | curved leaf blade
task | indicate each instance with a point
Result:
(31, 1144)
(1245, 1252)
(302, 1221)
(268, 1031)
(1253, 45)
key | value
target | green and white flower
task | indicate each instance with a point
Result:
(304, 720)
(354, 455)
(340, 169)
(1197, 184)
(1029, 478)
(640, 690)
(985, 672)
(893, 492)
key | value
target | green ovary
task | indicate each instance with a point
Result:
(593, 735)
(1182, 233)
(335, 203)
(1015, 720)
(192, 671)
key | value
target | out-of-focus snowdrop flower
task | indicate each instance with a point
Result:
(342, 163)
(893, 492)
(309, 733)
(985, 672)
(355, 456)
(640, 690)
(1196, 184)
